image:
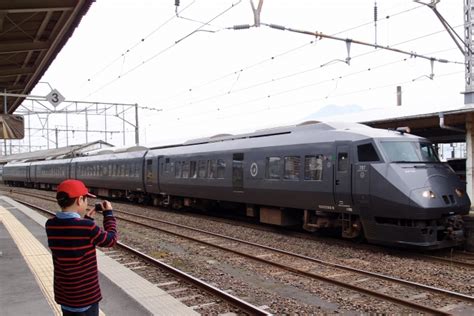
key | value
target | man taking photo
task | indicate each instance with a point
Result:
(72, 241)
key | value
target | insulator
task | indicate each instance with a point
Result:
(241, 27)
(176, 3)
(375, 12)
(276, 26)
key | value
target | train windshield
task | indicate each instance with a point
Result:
(405, 152)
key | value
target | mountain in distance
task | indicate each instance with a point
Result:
(333, 110)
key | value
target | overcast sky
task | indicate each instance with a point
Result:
(219, 80)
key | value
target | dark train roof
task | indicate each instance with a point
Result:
(287, 135)
(316, 126)
(56, 153)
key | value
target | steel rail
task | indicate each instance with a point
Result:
(449, 260)
(233, 300)
(312, 259)
(383, 296)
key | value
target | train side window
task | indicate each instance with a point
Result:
(178, 170)
(149, 170)
(272, 170)
(186, 167)
(192, 169)
(291, 168)
(366, 152)
(342, 162)
(127, 170)
(220, 169)
(123, 167)
(167, 165)
(211, 169)
(201, 169)
(313, 168)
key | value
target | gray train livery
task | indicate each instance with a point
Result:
(385, 186)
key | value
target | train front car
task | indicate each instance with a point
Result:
(415, 200)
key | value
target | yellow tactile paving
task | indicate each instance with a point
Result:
(36, 256)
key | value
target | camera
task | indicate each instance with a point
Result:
(98, 207)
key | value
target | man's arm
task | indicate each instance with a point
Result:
(106, 237)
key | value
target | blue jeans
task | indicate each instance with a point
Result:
(92, 311)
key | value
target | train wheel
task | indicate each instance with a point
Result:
(353, 230)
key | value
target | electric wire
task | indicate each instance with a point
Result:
(282, 92)
(273, 80)
(163, 50)
(272, 58)
(141, 41)
(293, 104)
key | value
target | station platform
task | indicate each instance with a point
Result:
(26, 274)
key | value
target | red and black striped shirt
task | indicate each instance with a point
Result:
(72, 242)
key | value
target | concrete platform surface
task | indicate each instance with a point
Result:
(26, 273)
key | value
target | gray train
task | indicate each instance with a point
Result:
(382, 185)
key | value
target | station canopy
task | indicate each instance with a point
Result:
(32, 33)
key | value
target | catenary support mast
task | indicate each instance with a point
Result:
(469, 76)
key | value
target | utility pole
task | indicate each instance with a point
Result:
(5, 112)
(47, 130)
(87, 127)
(137, 138)
(67, 133)
(105, 124)
(56, 132)
(29, 134)
(469, 58)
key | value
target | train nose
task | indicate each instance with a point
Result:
(438, 183)
(434, 193)
(439, 191)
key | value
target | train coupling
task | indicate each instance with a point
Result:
(454, 228)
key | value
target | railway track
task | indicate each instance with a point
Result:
(193, 287)
(452, 258)
(404, 293)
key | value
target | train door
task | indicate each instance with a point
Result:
(238, 172)
(151, 174)
(342, 177)
(73, 172)
(28, 173)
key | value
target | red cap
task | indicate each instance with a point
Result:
(74, 188)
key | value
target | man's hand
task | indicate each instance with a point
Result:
(107, 205)
(90, 213)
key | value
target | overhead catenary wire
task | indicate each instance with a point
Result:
(163, 50)
(325, 98)
(139, 42)
(274, 57)
(273, 80)
(389, 48)
(283, 92)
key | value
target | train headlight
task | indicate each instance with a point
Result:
(459, 192)
(429, 194)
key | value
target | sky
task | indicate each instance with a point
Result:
(191, 79)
